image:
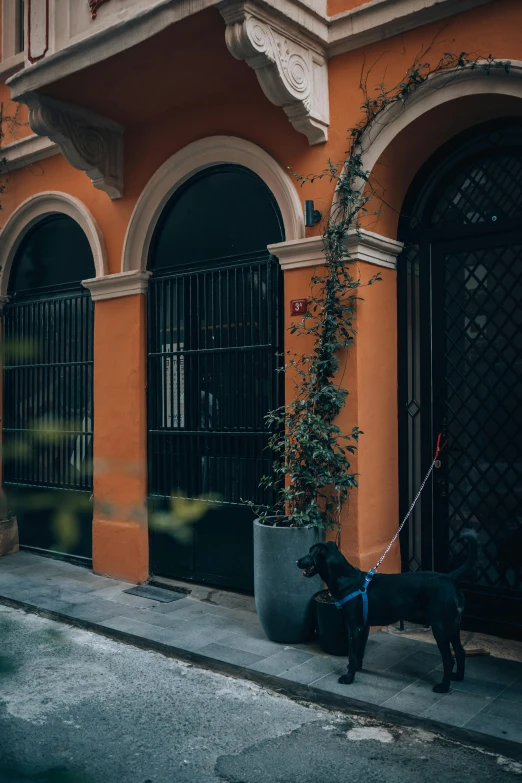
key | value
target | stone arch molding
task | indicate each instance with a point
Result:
(184, 164)
(441, 88)
(29, 212)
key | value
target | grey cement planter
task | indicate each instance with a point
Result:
(283, 596)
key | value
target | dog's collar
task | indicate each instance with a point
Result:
(362, 591)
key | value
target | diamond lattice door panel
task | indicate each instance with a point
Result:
(482, 363)
(460, 368)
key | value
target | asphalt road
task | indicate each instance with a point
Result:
(75, 706)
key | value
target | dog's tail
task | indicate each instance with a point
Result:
(467, 568)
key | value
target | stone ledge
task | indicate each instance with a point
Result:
(117, 285)
(361, 246)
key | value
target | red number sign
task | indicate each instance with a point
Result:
(298, 306)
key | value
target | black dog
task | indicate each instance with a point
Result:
(422, 597)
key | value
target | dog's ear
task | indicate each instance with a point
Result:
(331, 552)
(318, 550)
(331, 547)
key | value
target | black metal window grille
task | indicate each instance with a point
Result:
(48, 378)
(214, 334)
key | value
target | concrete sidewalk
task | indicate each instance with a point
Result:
(398, 673)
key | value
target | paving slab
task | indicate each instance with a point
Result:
(455, 708)
(281, 662)
(370, 687)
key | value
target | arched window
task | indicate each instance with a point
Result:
(48, 377)
(222, 212)
(215, 332)
(54, 254)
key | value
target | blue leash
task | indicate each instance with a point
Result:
(362, 591)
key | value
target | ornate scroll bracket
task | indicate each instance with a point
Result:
(88, 142)
(292, 70)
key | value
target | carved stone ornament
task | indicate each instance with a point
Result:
(94, 5)
(89, 142)
(292, 71)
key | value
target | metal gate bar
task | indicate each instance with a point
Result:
(214, 335)
(48, 379)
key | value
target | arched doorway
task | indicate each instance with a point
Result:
(460, 371)
(213, 338)
(47, 388)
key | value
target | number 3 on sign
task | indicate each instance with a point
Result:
(298, 306)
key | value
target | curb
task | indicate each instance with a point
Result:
(293, 690)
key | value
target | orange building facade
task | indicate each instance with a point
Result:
(153, 238)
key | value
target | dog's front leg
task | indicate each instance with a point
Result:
(363, 638)
(353, 655)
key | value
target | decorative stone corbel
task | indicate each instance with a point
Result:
(291, 68)
(89, 142)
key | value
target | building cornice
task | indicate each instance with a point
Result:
(28, 150)
(366, 24)
(118, 285)
(360, 245)
(381, 19)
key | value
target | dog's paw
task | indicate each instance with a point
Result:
(457, 676)
(346, 679)
(440, 688)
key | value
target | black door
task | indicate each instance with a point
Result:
(460, 287)
(214, 334)
(47, 389)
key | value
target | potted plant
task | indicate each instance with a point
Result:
(311, 475)
(332, 634)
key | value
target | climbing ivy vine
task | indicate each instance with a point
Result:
(312, 473)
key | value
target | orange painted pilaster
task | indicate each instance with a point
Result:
(369, 371)
(376, 514)
(120, 533)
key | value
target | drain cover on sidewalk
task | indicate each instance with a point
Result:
(155, 593)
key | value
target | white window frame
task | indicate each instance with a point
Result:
(13, 54)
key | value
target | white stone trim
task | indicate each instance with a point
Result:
(373, 248)
(28, 150)
(188, 161)
(299, 252)
(381, 19)
(360, 245)
(117, 285)
(440, 89)
(290, 68)
(10, 25)
(34, 209)
(11, 65)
